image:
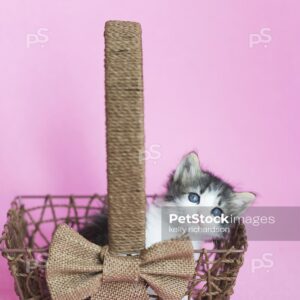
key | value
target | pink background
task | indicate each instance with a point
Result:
(206, 89)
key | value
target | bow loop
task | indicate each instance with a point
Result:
(77, 269)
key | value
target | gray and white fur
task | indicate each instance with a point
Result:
(213, 194)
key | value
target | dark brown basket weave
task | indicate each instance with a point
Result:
(32, 219)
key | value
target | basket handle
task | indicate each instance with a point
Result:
(125, 136)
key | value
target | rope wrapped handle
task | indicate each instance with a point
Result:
(125, 136)
(79, 269)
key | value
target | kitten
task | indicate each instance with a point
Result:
(188, 186)
(191, 190)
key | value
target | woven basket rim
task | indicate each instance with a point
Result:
(217, 265)
(17, 204)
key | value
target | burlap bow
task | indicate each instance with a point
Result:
(78, 269)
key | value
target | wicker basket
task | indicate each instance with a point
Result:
(33, 219)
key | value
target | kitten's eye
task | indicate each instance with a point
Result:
(217, 212)
(194, 198)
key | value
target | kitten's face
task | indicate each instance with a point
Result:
(190, 186)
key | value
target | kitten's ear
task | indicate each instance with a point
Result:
(240, 202)
(188, 168)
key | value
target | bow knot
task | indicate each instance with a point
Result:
(121, 268)
(77, 269)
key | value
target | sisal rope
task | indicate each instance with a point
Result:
(125, 136)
